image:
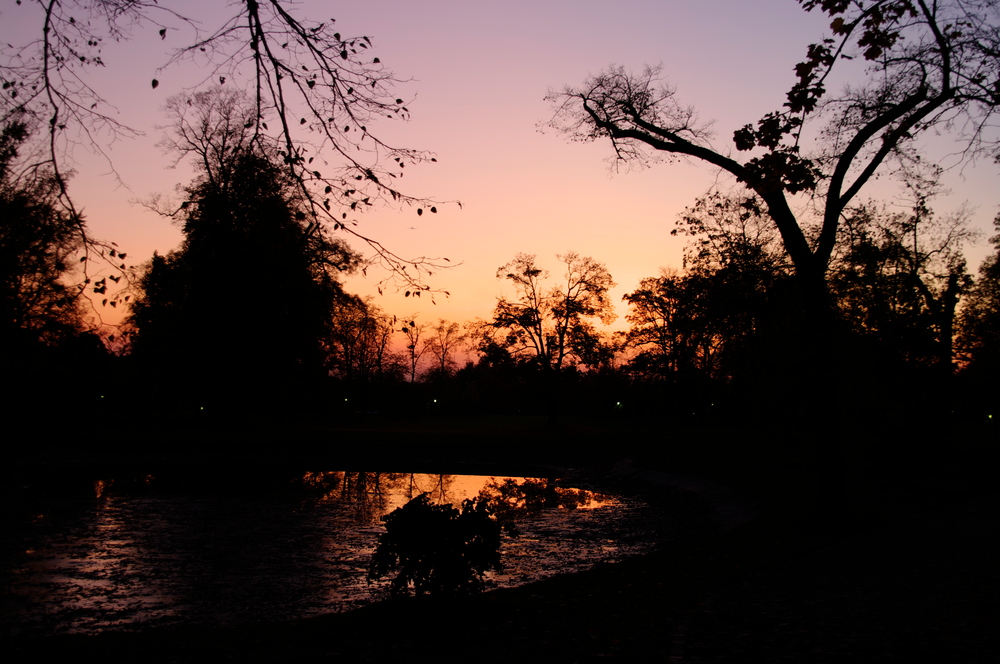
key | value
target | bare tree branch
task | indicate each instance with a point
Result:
(320, 90)
(933, 66)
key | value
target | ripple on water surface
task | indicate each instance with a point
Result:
(139, 552)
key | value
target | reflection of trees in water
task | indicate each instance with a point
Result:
(367, 494)
(510, 499)
(435, 486)
(370, 495)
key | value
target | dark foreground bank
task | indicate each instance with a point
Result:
(911, 576)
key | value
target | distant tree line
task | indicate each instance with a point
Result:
(248, 317)
(719, 341)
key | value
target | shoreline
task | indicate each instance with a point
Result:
(666, 604)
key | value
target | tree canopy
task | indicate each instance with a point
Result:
(980, 324)
(39, 245)
(315, 95)
(932, 66)
(550, 326)
(248, 300)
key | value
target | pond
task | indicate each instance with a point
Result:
(126, 553)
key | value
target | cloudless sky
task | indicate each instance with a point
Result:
(477, 74)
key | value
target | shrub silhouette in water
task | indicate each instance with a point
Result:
(437, 549)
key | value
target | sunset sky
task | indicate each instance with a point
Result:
(479, 74)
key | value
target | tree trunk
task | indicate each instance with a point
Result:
(823, 368)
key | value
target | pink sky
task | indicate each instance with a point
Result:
(479, 74)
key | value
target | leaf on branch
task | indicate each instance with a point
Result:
(155, 83)
(163, 33)
(744, 138)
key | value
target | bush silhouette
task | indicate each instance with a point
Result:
(437, 549)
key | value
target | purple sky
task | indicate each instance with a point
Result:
(479, 74)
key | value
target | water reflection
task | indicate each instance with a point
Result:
(129, 553)
(513, 499)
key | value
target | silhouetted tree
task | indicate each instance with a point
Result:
(671, 329)
(899, 278)
(415, 346)
(445, 339)
(315, 94)
(709, 319)
(239, 312)
(932, 66)
(358, 345)
(39, 244)
(732, 232)
(48, 346)
(437, 549)
(980, 319)
(550, 326)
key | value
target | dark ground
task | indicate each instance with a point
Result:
(909, 575)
